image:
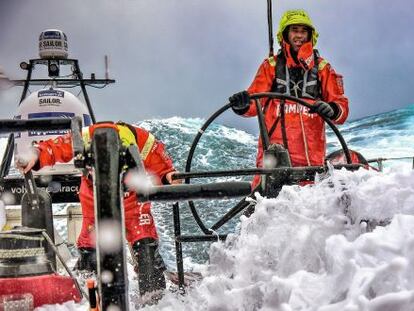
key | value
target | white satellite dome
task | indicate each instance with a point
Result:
(49, 103)
(53, 43)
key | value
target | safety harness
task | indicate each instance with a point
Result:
(294, 82)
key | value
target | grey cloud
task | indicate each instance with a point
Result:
(186, 57)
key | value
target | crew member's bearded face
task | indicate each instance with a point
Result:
(298, 35)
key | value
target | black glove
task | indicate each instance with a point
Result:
(324, 109)
(240, 102)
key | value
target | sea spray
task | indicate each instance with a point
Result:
(302, 252)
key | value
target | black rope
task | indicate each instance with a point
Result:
(193, 209)
(262, 126)
(274, 125)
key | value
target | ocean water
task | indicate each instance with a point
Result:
(387, 135)
(312, 248)
(219, 148)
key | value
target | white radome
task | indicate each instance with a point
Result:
(53, 43)
(48, 103)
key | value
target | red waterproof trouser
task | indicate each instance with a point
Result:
(139, 222)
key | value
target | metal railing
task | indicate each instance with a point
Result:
(380, 161)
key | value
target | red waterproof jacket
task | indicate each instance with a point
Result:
(305, 131)
(138, 219)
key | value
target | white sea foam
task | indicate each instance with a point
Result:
(309, 250)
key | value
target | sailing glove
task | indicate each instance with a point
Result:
(240, 102)
(330, 110)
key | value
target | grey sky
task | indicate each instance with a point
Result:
(186, 57)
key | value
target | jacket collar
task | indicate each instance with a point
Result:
(304, 59)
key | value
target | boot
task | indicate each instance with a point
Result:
(87, 259)
(151, 268)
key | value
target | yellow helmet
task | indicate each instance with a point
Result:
(296, 17)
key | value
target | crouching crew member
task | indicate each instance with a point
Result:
(141, 232)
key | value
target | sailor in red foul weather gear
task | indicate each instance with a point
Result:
(297, 70)
(141, 232)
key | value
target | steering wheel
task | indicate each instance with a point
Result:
(265, 139)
